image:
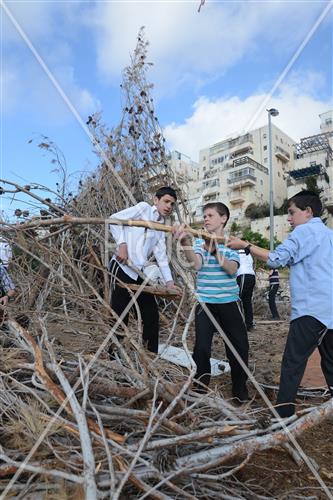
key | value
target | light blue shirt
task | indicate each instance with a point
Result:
(308, 251)
(214, 284)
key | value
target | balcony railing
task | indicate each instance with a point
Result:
(215, 182)
(224, 145)
(242, 178)
(247, 160)
(282, 154)
(236, 199)
(241, 140)
(306, 172)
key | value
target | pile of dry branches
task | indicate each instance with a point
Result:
(75, 422)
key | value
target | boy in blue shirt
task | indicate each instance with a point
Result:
(218, 292)
(308, 251)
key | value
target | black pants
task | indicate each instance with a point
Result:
(231, 321)
(246, 284)
(271, 301)
(120, 298)
(304, 335)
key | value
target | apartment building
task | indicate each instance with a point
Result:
(313, 157)
(236, 171)
(187, 175)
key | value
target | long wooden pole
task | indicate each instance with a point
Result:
(69, 220)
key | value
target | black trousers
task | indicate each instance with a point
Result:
(231, 321)
(246, 284)
(120, 298)
(304, 335)
(271, 301)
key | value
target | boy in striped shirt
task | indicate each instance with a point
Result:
(218, 295)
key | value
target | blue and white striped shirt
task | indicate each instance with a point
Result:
(214, 285)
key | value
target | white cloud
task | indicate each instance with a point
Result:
(39, 20)
(11, 89)
(51, 27)
(192, 47)
(35, 18)
(27, 88)
(215, 120)
(81, 98)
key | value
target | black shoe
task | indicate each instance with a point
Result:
(200, 388)
(241, 396)
(286, 410)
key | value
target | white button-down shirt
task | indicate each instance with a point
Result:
(141, 242)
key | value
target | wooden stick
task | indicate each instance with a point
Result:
(159, 291)
(51, 386)
(68, 219)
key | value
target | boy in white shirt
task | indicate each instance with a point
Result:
(135, 245)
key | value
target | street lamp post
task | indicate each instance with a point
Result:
(271, 112)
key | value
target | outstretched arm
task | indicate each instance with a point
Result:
(258, 252)
(184, 238)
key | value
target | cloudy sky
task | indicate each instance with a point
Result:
(215, 72)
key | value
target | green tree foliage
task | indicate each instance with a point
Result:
(254, 211)
(283, 209)
(257, 239)
(235, 228)
(311, 184)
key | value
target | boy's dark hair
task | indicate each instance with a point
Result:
(305, 199)
(166, 190)
(220, 208)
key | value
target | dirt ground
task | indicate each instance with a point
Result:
(270, 474)
(273, 473)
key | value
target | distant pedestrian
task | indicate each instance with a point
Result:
(246, 280)
(274, 284)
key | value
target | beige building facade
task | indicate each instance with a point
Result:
(236, 171)
(314, 158)
(281, 227)
(187, 174)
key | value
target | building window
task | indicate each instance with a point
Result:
(264, 136)
(279, 175)
(265, 148)
(261, 182)
(265, 160)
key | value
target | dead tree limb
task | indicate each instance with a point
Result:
(51, 386)
(69, 220)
